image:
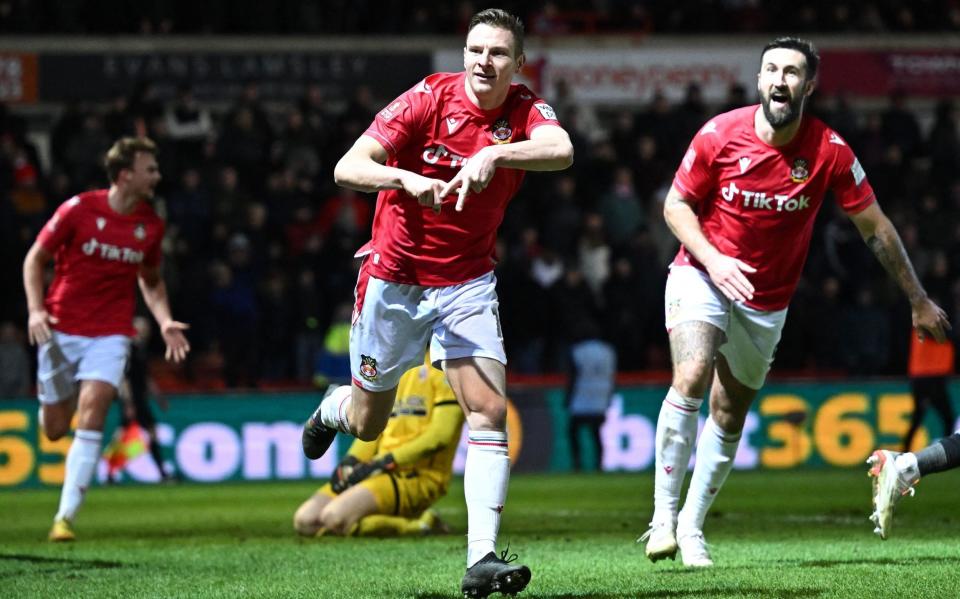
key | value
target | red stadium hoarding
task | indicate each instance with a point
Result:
(18, 77)
(926, 72)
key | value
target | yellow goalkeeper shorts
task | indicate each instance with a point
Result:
(405, 493)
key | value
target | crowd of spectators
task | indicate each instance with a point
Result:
(259, 247)
(544, 17)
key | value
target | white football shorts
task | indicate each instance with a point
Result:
(67, 359)
(392, 324)
(752, 335)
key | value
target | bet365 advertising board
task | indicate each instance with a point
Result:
(213, 438)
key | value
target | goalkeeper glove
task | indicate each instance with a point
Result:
(368, 469)
(338, 480)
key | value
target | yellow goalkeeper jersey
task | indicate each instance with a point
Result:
(424, 429)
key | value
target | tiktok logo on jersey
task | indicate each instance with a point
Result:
(112, 252)
(443, 157)
(759, 200)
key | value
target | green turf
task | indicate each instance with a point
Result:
(794, 535)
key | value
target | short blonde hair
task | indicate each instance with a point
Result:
(122, 154)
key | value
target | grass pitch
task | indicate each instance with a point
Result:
(774, 534)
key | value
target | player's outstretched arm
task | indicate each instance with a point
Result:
(154, 292)
(881, 237)
(726, 272)
(548, 149)
(39, 321)
(362, 168)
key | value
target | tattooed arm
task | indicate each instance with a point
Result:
(882, 239)
(726, 272)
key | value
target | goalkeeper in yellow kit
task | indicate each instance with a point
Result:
(385, 487)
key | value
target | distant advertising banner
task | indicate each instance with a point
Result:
(929, 72)
(631, 75)
(257, 436)
(220, 75)
(18, 77)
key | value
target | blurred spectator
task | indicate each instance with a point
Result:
(621, 209)
(591, 383)
(14, 362)
(189, 125)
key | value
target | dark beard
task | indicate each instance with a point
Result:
(794, 109)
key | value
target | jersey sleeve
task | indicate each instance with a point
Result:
(398, 122)
(849, 182)
(59, 229)
(539, 113)
(695, 177)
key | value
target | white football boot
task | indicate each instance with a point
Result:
(661, 540)
(693, 549)
(889, 485)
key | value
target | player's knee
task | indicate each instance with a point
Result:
(692, 377)
(55, 431)
(53, 426)
(305, 521)
(335, 521)
(368, 431)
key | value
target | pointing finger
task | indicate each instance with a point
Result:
(462, 196)
(450, 186)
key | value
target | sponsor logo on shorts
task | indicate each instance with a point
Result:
(673, 309)
(368, 367)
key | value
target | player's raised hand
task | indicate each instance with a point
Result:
(930, 319)
(475, 176)
(424, 189)
(727, 273)
(38, 326)
(177, 345)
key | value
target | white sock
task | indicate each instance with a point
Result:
(676, 434)
(715, 454)
(81, 463)
(485, 477)
(908, 466)
(333, 409)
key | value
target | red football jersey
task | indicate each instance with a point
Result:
(97, 254)
(758, 203)
(432, 130)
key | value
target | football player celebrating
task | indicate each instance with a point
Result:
(743, 205)
(103, 242)
(428, 274)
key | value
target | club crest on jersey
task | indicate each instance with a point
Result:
(502, 133)
(101, 223)
(140, 232)
(800, 171)
(368, 367)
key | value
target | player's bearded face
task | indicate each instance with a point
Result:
(490, 60)
(783, 86)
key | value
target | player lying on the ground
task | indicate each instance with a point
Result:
(385, 487)
(894, 475)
